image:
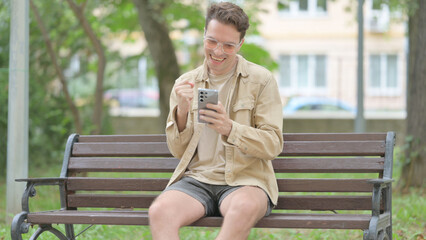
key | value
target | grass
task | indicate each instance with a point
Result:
(409, 219)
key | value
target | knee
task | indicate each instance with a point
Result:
(158, 211)
(245, 208)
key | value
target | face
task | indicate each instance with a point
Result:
(218, 61)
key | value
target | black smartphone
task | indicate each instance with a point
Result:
(206, 96)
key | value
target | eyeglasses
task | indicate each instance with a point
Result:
(227, 47)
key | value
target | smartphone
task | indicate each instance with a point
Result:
(206, 96)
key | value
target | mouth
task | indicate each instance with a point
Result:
(218, 60)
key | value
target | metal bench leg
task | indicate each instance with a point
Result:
(69, 230)
(389, 232)
(381, 235)
(19, 226)
(43, 228)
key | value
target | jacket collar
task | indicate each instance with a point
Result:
(241, 69)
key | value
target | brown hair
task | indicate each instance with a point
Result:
(228, 13)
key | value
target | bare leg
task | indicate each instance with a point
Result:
(172, 210)
(242, 209)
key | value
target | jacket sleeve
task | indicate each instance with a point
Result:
(264, 140)
(177, 141)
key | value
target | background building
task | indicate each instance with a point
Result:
(315, 44)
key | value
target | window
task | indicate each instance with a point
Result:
(377, 16)
(302, 7)
(303, 74)
(383, 74)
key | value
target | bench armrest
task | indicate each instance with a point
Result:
(381, 182)
(379, 185)
(31, 192)
(42, 181)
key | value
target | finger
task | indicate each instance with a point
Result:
(186, 83)
(218, 108)
(208, 119)
(185, 86)
(214, 116)
(184, 91)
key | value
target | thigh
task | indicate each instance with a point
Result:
(246, 197)
(183, 208)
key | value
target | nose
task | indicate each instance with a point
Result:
(219, 49)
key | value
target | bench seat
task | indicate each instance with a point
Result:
(131, 217)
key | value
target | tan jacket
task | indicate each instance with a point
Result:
(256, 135)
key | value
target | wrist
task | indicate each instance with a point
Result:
(180, 112)
(230, 128)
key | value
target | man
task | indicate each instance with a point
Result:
(225, 165)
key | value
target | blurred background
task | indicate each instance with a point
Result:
(108, 66)
(310, 45)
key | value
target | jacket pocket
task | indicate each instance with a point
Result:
(243, 104)
(243, 110)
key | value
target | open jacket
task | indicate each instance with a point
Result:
(256, 136)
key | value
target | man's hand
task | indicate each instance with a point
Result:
(219, 120)
(184, 94)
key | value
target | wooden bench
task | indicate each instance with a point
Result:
(365, 202)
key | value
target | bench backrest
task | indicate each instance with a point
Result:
(103, 160)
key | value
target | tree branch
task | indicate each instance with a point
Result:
(97, 113)
(58, 69)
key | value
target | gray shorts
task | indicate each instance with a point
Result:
(211, 196)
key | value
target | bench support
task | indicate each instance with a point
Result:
(47, 227)
(381, 223)
(19, 226)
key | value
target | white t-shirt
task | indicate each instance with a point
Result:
(208, 164)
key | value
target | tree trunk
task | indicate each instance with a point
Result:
(414, 171)
(161, 49)
(58, 69)
(97, 111)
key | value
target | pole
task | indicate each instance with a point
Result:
(360, 120)
(17, 130)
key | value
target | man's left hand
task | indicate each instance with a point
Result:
(218, 119)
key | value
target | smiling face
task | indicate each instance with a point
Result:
(219, 62)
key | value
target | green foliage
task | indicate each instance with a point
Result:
(258, 55)
(189, 16)
(408, 7)
(404, 159)
(3, 119)
(50, 117)
(4, 80)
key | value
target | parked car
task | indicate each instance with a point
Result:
(129, 97)
(316, 104)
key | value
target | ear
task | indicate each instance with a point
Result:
(241, 44)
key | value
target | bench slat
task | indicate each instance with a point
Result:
(98, 164)
(328, 165)
(334, 136)
(333, 148)
(275, 220)
(284, 202)
(287, 137)
(281, 165)
(324, 185)
(291, 148)
(158, 184)
(123, 138)
(116, 184)
(122, 149)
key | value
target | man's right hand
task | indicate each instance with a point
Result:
(184, 94)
